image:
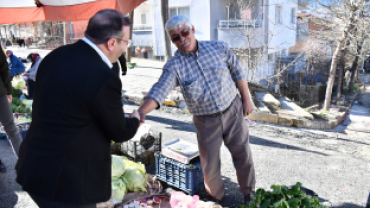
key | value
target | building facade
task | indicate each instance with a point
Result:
(257, 30)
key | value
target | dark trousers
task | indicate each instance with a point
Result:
(7, 120)
(231, 129)
(30, 87)
(43, 203)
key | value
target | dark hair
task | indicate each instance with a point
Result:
(106, 24)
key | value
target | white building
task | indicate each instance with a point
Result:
(265, 28)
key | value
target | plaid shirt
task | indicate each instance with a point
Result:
(207, 79)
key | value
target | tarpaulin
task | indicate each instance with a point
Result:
(23, 11)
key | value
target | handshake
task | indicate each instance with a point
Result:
(148, 105)
(139, 115)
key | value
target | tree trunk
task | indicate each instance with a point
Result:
(357, 63)
(166, 38)
(355, 66)
(329, 88)
(337, 53)
(341, 74)
(128, 50)
(64, 34)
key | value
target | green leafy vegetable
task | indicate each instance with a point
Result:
(118, 166)
(119, 188)
(135, 180)
(283, 197)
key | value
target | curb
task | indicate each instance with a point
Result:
(266, 117)
(139, 99)
(301, 123)
(296, 122)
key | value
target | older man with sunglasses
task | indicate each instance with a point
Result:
(210, 77)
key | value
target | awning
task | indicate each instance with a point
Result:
(23, 11)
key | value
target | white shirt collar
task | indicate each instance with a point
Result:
(103, 56)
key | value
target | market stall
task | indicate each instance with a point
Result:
(177, 165)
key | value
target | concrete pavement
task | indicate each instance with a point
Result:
(142, 77)
(358, 118)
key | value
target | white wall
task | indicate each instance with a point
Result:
(282, 36)
(145, 7)
(199, 17)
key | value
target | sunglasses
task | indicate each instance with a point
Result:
(183, 33)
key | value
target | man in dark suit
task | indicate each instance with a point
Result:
(65, 158)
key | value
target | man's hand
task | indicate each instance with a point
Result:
(10, 98)
(142, 117)
(246, 97)
(247, 107)
(135, 114)
(145, 108)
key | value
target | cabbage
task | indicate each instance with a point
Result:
(135, 180)
(118, 166)
(21, 85)
(119, 188)
(133, 165)
(14, 84)
(134, 176)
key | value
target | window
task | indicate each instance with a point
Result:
(173, 12)
(278, 15)
(183, 11)
(143, 18)
(284, 53)
(277, 55)
(270, 57)
(293, 16)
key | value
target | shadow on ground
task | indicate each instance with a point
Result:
(8, 186)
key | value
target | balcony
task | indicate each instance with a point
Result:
(142, 38)
(239, 24)
(142, 42)
(241, 33)
(138, 27)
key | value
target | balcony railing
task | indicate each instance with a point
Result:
(239, 24)
(142, 42)
(142, 27)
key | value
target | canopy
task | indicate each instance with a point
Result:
(23, 11)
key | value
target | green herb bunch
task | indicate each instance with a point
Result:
(283, 197)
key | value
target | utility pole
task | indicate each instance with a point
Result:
(167, 41)
(129, 51)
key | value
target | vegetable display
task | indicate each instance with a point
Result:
(19, 106)
(284, 197)
(18, 82)
(127, 176)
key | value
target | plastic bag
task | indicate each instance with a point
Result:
(22, 97)
(179, 199)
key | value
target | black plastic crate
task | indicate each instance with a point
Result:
(139, 152)
(188, 178)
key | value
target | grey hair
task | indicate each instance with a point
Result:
(175, 22)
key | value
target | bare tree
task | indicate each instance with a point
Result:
(344, 16)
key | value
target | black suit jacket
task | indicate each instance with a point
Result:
(77, 111)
